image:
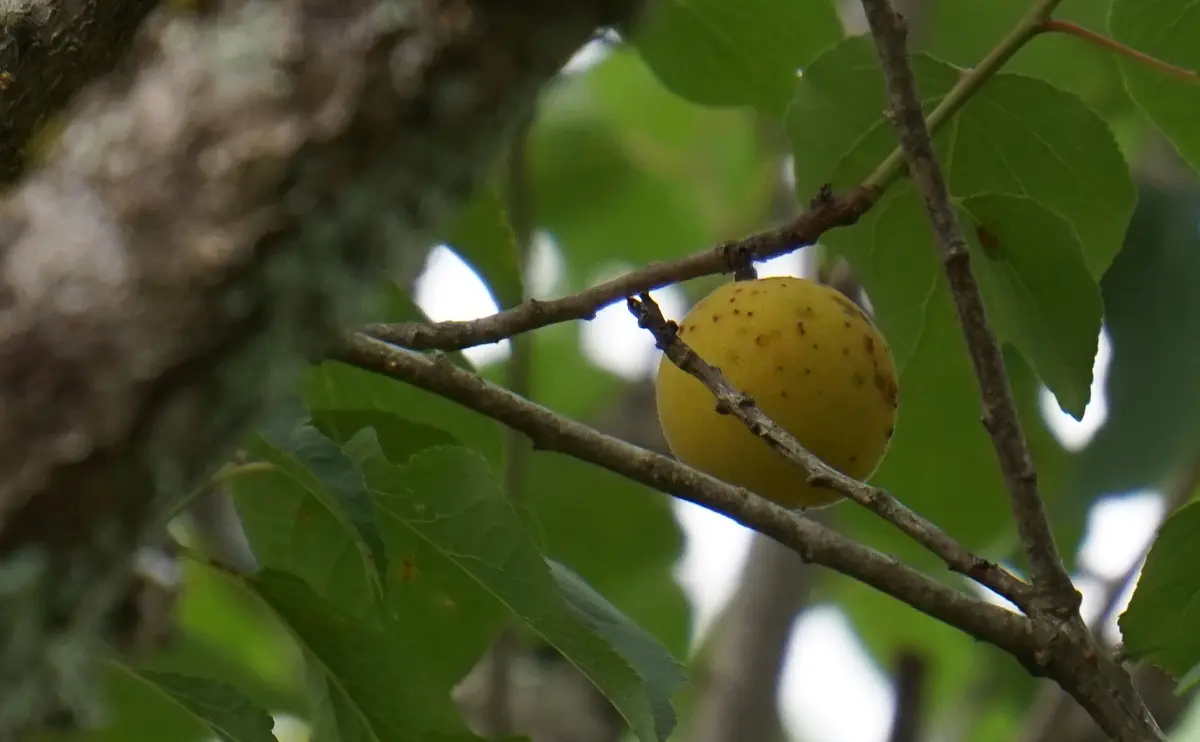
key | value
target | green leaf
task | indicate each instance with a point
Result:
(320, 466)
(746, 53)
(964, 31)
(579, 507)
(940, 458)
(1019, 140)
(656, 666)
(149, 706)
(448, 500)
(230, 716)
(371, 683)
(398, 439)
(622, 171)
(292, 528)
(1166, 30)
(1152, 310)
(1017, 136)
(1160, 623)
(331, 385)
(1029, 264)
(481, 235)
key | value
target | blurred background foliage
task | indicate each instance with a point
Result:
(652, 153)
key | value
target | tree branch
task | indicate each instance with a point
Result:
(999, 410)
(735, 403)
(825, 213)
(49, 51)
(206, 220)
(813, 542)
(1070, 651)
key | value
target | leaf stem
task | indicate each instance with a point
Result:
(1029, 26)
(1051, 25)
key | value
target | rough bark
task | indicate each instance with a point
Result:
(50, 50)
(212, 214)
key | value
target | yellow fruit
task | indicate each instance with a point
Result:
(810, 359)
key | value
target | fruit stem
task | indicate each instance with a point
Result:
(1030, 25)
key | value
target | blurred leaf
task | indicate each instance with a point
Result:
(1029, 264)
(318, 464)
(720, 53)
(482, 236)
(622, 171)
(227, 634)
(147, 706)
(447, 499)
(1160, 623)
(227, 713)
(887, 627)
(371, 682)
(557, 356)
(615, 533)
(335, 386)
(1019, 138)
(397, 438)
(293, 529)
(1166, 30)
(643, 653)
(962, 32)
(1151, 304)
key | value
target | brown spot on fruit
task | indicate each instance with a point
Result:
(887, 388)
(846, 351)
(749, 314)
(851, 309)
(853, 459)
(890, 433)
(800, 328)
(858, 379)
(869, 344)
(716, 318)
(846, 324)
(737, 311)
(807, 371)
(760, 340)
(778, 368)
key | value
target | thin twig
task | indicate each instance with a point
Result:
(1105, 42)
(812, 541)
(1070, 653)
(1000, 411)
(825, 213)
(957, 557)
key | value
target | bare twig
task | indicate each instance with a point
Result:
(739, 405)
(812, 541)
(1070, 654)
(825, 213)
(1000, 411)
